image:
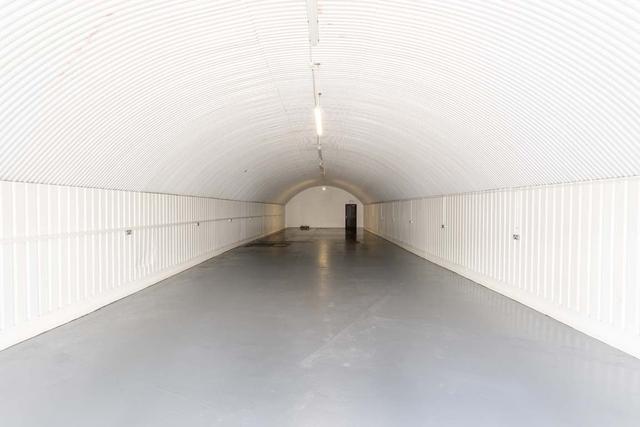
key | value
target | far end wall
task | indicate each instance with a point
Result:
(322, 209)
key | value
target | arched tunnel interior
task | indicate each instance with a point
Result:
(160, 162)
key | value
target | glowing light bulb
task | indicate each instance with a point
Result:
(317, 113)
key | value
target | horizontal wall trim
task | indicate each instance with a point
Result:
(74, 234)
(503, 189)
(128, 190)
(67, 314)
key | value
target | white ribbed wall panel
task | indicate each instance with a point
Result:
(65, 251)
(577, 258)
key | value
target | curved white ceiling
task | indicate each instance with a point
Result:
(420, 97)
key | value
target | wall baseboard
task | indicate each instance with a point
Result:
(608, 335)
(72, 312)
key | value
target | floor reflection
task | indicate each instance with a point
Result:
(318, 331)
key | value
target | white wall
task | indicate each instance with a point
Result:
(65, 251)
(318, 208)
(577, 258)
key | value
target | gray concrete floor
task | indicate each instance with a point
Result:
(323, 332)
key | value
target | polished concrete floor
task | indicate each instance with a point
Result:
(322, 332)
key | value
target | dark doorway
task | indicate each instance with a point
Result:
(350, 217)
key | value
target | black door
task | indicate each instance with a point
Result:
(350, 217)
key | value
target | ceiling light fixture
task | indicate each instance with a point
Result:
(314, 39)
(324, 188)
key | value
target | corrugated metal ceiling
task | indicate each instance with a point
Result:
(420, 98)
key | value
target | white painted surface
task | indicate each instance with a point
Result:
(420, 98)
(318, 208)
(214, 98)
(64, 251)
(577, 258)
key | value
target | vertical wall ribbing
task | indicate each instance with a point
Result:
(576, 258)
(65, 251)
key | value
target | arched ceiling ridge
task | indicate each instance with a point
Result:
(419, 98)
